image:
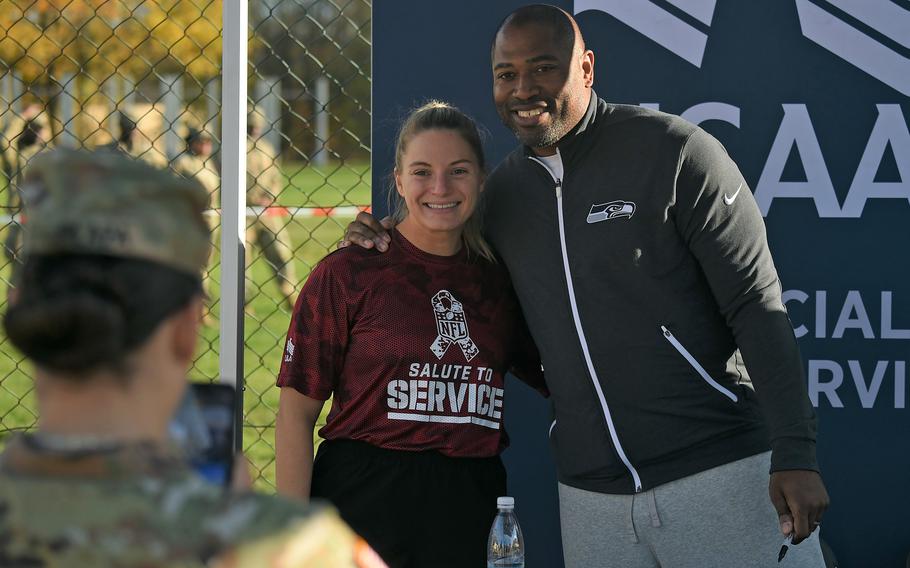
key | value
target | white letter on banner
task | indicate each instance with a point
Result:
(900, 383)
(821, 313)
(888, 331)
(712, 111)
(801, 297)
(816, 387)
(889, 127)
(867, 395)
(853, 303)
(796, 128)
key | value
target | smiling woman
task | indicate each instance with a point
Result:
(413, 345)
(439, 174)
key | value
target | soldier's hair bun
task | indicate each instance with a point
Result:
(80, 313)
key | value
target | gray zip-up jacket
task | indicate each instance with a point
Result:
(646, 279)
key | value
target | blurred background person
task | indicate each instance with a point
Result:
(267, 230)
(33, 136)
(11, 132)
(108, 312)
(196, 162)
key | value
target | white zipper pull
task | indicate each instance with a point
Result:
(558, 188)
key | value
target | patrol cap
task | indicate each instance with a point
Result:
(106, 203)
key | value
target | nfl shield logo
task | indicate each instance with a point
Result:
(451, 325)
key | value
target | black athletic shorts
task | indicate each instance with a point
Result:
(416, 509)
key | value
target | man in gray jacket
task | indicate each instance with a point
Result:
(641, 263)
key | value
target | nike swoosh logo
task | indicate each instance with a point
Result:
(729, 200)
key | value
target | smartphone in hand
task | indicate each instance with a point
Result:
(204, 427)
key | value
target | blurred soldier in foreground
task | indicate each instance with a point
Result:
(32, 137)
(108, 312)
(140, 128)
(263, 184)
(196, 163)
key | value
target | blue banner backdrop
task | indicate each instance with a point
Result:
(811, 98)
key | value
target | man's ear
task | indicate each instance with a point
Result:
(587, 67)
(186, 329)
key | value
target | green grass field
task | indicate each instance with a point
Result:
(265, 322)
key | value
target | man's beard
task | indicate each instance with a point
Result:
(542, 136)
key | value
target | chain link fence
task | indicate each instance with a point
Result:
(144, 76)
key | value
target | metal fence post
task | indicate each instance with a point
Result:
(68, 107)
(6, 98)
(212, 101)
(321, 140)
(233, 199)
(268, 98)
(173, 101)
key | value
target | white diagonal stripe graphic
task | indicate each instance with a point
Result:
(885, 16)
(853, 46)
(701, 10)
(655, 23)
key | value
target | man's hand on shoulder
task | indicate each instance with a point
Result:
(365, 231)
(800, 498)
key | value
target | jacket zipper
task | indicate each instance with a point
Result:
(696, 365)
(581, 334)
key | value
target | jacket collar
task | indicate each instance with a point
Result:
(577, 135)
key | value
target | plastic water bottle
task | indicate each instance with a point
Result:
(505, 547)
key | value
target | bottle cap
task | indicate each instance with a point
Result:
(505, 502)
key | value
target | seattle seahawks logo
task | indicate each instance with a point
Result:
(611, 210)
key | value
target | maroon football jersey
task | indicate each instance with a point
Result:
(413, 346)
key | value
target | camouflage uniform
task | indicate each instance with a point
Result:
(79, 501)
(263, 184)
(136, 505)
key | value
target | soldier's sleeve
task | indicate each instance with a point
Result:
(321, 541)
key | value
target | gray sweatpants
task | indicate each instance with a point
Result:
(718, 518)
